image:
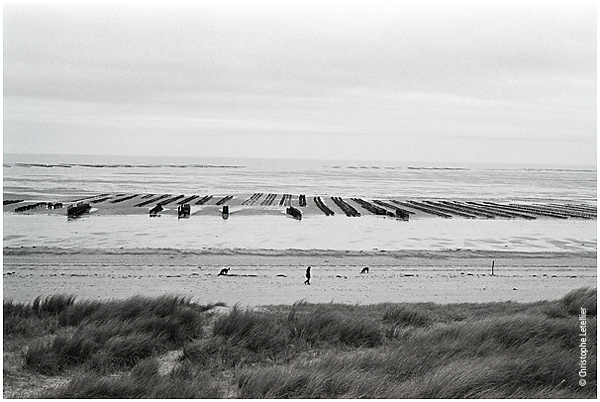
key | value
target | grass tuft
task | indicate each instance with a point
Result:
(144, 382)
(256, 331)
(403, 315)
(324, 324)
(52, 304)
(111, 335)
(577, 299)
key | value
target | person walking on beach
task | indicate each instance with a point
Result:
(307, 281)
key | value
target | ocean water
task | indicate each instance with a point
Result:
(44, 178)
(59, 175)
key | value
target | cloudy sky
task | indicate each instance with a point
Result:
(457, 82)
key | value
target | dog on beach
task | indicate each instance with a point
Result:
(365, 270)
(224, 271)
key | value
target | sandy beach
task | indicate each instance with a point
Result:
(265, 277)
(117, 250)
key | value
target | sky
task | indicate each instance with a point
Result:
(506, 82)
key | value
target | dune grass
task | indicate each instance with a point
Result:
(104, 336)
(120, 349)
(144, 381)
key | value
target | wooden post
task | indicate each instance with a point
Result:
(492, 268)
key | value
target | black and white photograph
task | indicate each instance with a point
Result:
(300, 199)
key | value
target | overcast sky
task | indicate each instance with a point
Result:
(457, 82)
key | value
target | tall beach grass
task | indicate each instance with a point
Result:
(121, 349)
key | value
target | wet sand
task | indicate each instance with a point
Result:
(264, 277)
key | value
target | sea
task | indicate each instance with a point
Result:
(57, 177)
